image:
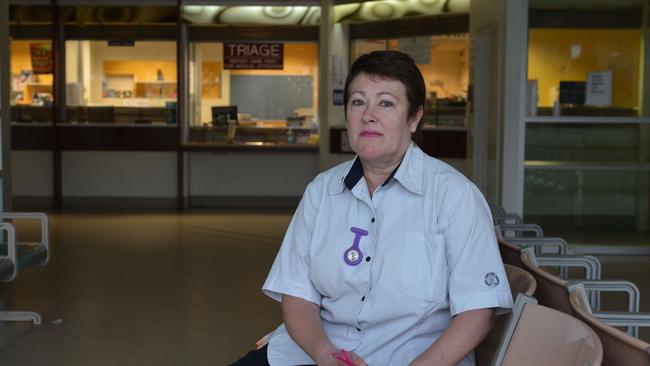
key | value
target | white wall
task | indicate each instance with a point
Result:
(251, 174)
(510, 17)
(32, 173)
(118, 174)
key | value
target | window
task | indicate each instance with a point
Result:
(31, 80)
(273, 105)
(444, 63)
(121, 81)
(586, 71)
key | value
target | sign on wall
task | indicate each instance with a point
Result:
(42, 59)
(599, 88)
(253, 55)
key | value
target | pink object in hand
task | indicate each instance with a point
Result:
(343, 356)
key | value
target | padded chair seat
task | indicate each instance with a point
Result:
(28, 255)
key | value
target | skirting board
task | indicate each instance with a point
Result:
(283, 202)
(39, 203)
(31, 203)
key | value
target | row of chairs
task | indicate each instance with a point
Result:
(525, 247)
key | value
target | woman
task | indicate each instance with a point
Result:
(390, 257)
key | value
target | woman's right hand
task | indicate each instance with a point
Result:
(330, 360)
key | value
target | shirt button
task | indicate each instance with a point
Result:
(363, 298)
(372, 220)
(367, 259)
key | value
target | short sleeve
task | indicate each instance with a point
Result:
(477, 276)
(289, 274)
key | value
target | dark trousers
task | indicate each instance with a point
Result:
(255, 358)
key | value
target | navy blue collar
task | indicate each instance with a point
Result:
(356, 172)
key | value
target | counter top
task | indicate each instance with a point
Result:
(251, 146)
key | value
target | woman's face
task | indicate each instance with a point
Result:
(379, 129)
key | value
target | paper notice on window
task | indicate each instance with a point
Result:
(599, 88)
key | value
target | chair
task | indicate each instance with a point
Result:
(496, 210)
(510, 253)
(506, 218)
(519, 230)
(552, 291)
(521, 282)
(16, 256)
(539, 336)
(619, 348)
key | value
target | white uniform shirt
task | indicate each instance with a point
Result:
(430, 254)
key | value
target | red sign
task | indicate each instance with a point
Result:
(42, 60)
(253, 55)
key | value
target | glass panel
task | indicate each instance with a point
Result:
(123, 82)
(266, 106)
(587, 176)
(586, 143)
(31, 80)
(560, 62)
(444, 63)
(586, 59)
(586, 199)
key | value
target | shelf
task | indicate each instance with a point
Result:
(156, 82)
(587, 119)
(585, 165)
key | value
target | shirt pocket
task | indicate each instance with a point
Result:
(424, 266)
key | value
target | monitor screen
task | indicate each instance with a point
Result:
(221, 115)
(572, 92)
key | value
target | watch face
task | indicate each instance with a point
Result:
(353, 255)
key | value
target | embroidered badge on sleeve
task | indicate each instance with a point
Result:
(491, 279)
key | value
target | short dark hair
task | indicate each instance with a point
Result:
(392, 65)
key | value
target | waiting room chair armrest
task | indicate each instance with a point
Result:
(539, 243)
(623, 319)
(506, 218)
(45, 234)
(519, 229)
(590, 263)
(616, 286)
(12, 252)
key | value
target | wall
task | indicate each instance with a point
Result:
(249, 179)
(550, 60)
(32, 173)
(508, 18)
(109, 179)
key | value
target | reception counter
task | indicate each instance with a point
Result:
(124, 165)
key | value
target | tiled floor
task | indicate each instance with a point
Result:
(146, 289)
(162, 289)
